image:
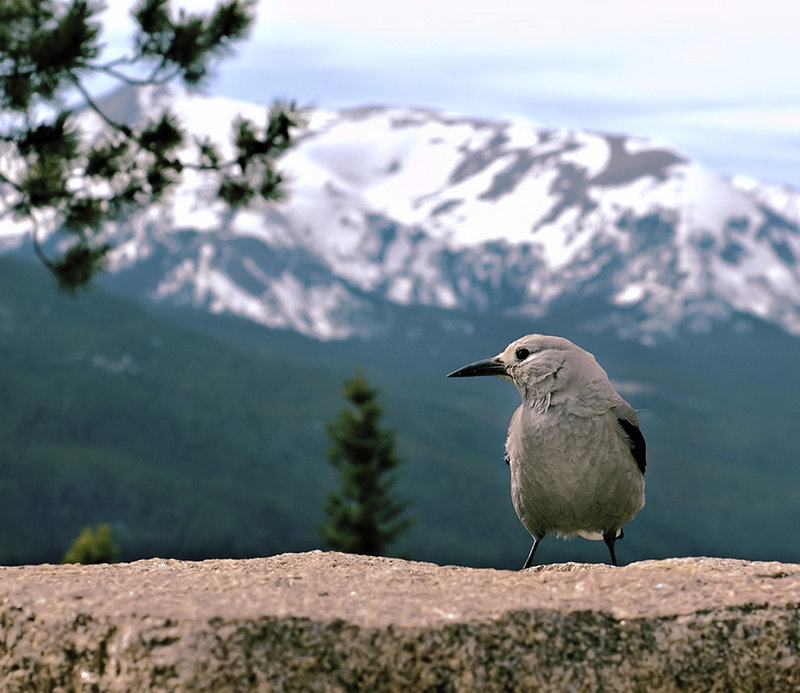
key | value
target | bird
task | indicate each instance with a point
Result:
(576, 454)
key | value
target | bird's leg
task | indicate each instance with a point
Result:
(529, 559)
(609, 538)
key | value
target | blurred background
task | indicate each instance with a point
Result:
(620, 174)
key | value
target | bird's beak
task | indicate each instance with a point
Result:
(493, 366)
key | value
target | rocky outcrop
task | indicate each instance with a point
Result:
(335, 622)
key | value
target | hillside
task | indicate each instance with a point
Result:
(111, 414)
(198, 436)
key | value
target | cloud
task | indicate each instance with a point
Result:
(568, 22)
(703, 74)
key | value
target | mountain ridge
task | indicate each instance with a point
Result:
(418, 207)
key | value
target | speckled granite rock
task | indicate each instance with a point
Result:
(335, 622)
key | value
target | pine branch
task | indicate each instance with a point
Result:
(119, 127)
(49, 48)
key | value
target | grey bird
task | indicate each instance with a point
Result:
(576, 453)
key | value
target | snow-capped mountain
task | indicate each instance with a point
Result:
(417, 207)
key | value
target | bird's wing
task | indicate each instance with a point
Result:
(629, 425)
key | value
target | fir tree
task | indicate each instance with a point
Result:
(93, 546)
(363, 515)
(53, 175)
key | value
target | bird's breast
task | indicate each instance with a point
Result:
(571, 473)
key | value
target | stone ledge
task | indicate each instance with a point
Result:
(336, 622)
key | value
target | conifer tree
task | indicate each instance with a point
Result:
(93, 546)
(363, 515)
(55, 177)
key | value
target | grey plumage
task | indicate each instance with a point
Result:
(576, 454)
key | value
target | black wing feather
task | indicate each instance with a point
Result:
(636, 441)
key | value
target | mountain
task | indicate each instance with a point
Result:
(183, 398)
(416, 207)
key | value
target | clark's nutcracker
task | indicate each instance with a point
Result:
(576, 453)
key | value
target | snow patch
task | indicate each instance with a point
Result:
(419, 207)
(630, 295)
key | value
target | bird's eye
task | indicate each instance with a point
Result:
(522, 353)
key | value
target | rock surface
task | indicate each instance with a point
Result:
(336, 622)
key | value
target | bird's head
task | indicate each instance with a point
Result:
(537, 364)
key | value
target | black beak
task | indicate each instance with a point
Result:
(493, 366)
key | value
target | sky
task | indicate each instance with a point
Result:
(717, 80)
